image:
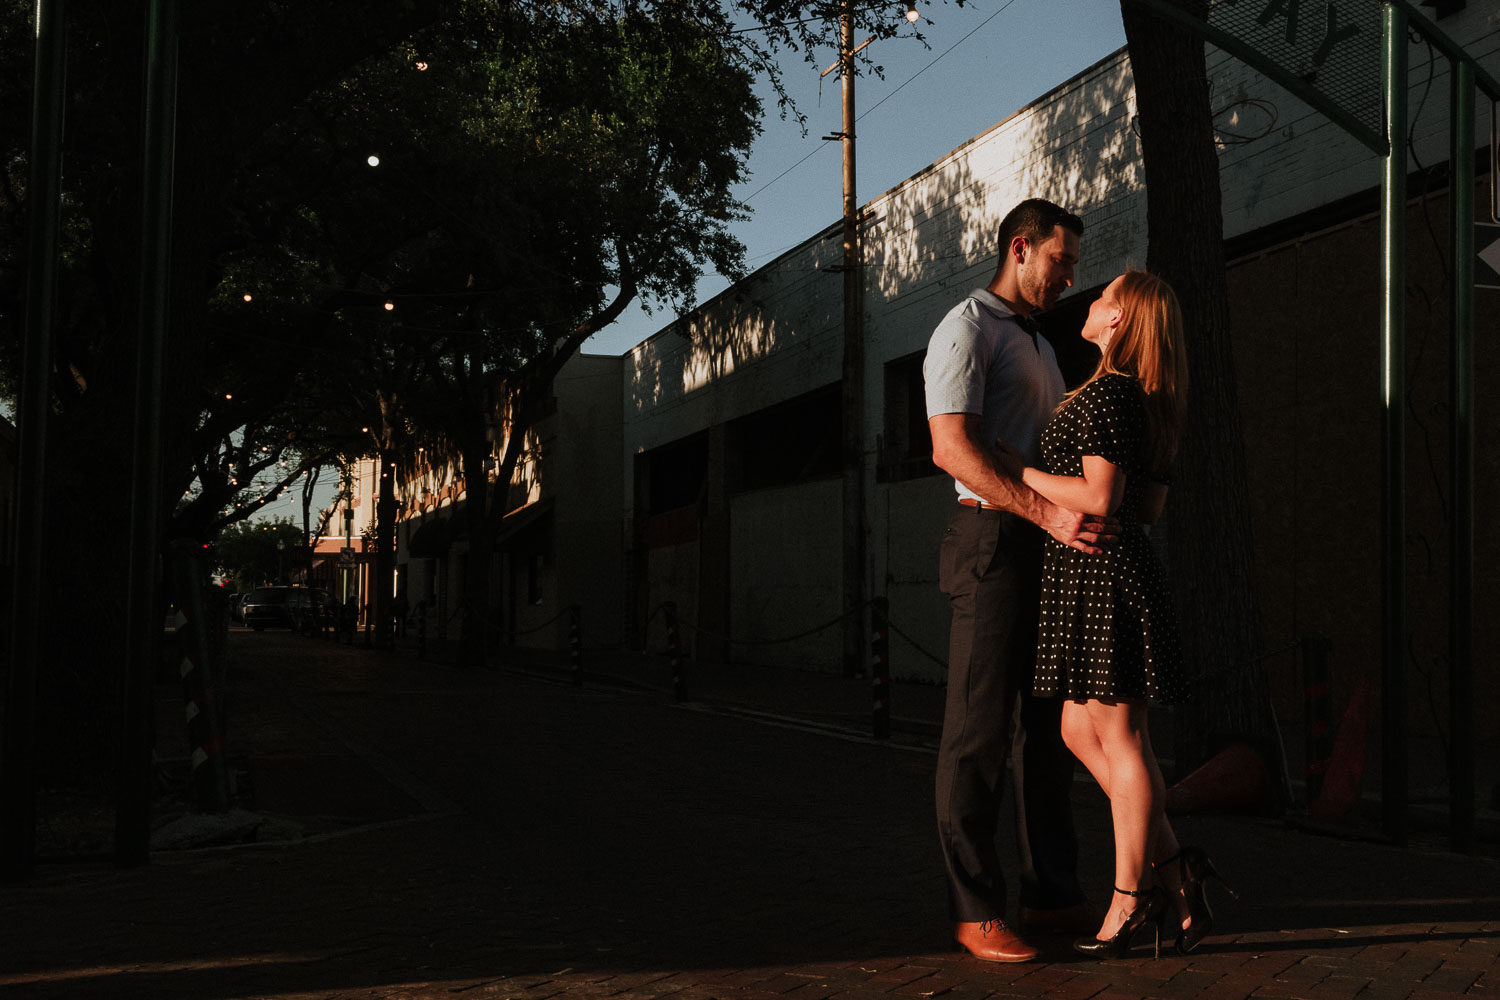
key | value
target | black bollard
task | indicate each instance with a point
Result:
(880, 666)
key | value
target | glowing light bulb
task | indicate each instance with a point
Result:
(373, 160)
(389, 305)
(247, 297)
(422, 65)
(911, 13)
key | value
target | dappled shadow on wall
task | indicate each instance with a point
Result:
(1078, 150)
(786, 303)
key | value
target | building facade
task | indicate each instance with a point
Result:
(732, 421)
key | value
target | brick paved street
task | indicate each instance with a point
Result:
(501, 834)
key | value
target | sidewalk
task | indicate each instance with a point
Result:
(507, 833)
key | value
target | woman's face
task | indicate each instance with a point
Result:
(1104, 316)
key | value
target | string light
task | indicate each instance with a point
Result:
(373, 160)
(247, 296)
(422, 66)
(911, 13)
(389, 305)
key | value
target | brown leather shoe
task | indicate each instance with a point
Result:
(1080, 918)
(992, 941)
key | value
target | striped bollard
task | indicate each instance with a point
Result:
(575, 644)
(674, 651)
(200, 701)
(880, 666)
(1315, 650)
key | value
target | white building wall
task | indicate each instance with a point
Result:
(927, 243)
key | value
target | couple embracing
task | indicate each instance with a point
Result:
(1063, 628)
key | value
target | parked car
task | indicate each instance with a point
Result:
(236, 600)
(311, 610)
(268, 606)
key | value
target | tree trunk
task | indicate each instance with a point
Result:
(1208, 536)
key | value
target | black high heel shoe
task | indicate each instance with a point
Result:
(1195, 868)
(1153, 911)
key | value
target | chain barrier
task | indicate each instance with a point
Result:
(550, 621)
(916, 645)
(730, 640)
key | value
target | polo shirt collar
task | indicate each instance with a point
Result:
(997, 305)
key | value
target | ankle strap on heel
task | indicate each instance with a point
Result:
(1137, 893)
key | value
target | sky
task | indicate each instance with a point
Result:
(987, 60)
(984, 61)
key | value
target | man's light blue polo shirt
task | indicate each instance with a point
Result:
(980, 361)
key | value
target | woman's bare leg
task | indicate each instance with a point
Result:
(1078, 733)
(1136, 795)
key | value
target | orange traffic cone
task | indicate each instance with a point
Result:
(1234, 780)
(1346, 767)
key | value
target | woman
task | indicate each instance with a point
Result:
(1108, 636)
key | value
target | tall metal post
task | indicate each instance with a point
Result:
(144, 624)
(1393, 71)
(348, 536)
(43, 196)
(1462, 748)
(853, 398)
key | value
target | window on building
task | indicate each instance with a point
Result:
(792, 442)
(905, 441)
(672, 475)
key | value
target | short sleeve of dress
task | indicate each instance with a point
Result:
(1111, 420)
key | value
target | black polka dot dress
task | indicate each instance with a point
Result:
(1108, 629)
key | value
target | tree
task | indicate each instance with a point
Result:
(1209, 538)
(256, 554)
(268, 123)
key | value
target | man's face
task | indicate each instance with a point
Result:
(1046, 268)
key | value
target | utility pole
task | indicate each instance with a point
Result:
(853, 399)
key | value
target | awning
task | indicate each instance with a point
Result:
(520, 520)
(432, 538)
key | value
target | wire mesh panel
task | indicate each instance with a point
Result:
(1332, 47)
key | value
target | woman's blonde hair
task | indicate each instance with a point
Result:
(1148, 346)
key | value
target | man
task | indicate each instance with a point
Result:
(990, 379)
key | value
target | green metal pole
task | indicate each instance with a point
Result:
(1461, 739)
(144, 622)
(43, 196)
(1393, 72)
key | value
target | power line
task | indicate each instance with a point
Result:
(936, 59)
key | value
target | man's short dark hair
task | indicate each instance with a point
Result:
(1034, 219)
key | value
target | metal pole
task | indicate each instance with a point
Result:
(1461, 740)
(348, 535)
(43, 196)
(1319, 738)
(674, 651)
(1393, 72)
(133, 814)
(880, 667)
(853, 398)
(575, 643)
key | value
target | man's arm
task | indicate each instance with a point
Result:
(957, 451)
